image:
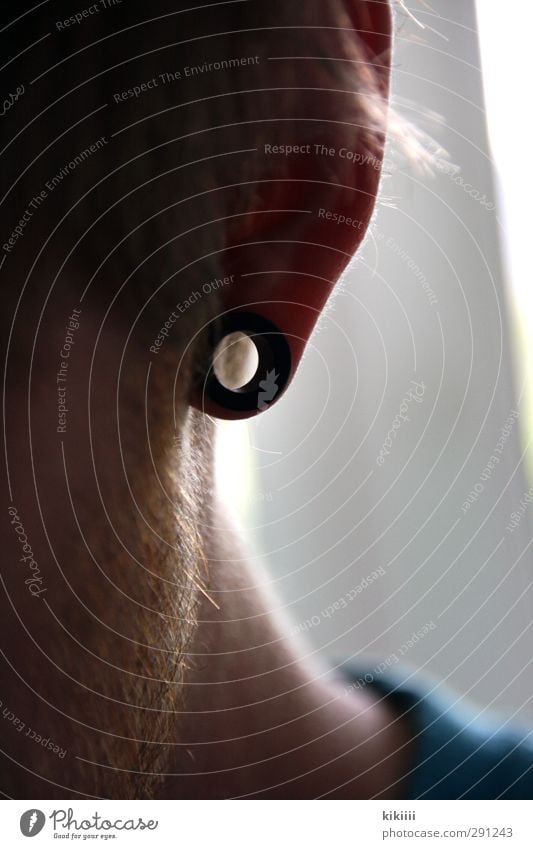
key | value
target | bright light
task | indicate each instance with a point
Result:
(505, 34)
(234, 467)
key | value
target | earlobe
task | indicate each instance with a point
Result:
(288, 252)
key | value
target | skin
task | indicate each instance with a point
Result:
(255, 720)
(151, 657)
(281, 729)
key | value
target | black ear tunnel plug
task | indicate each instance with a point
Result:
(270, 379)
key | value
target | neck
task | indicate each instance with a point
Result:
(111, 658)
(263, 722)
(108, 506)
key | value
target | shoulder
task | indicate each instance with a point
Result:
(455, 752)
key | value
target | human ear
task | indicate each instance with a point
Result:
(307, 218)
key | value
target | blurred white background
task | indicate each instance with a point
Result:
(425, 300)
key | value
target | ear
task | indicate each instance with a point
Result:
(309, 214)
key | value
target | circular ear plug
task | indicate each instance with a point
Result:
(264, 358)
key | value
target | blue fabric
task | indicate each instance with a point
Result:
(457, 752)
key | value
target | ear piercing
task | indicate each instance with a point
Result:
(271, 376)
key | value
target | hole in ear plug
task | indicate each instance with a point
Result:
(235, 360)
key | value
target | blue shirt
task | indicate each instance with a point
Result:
(457, 753)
